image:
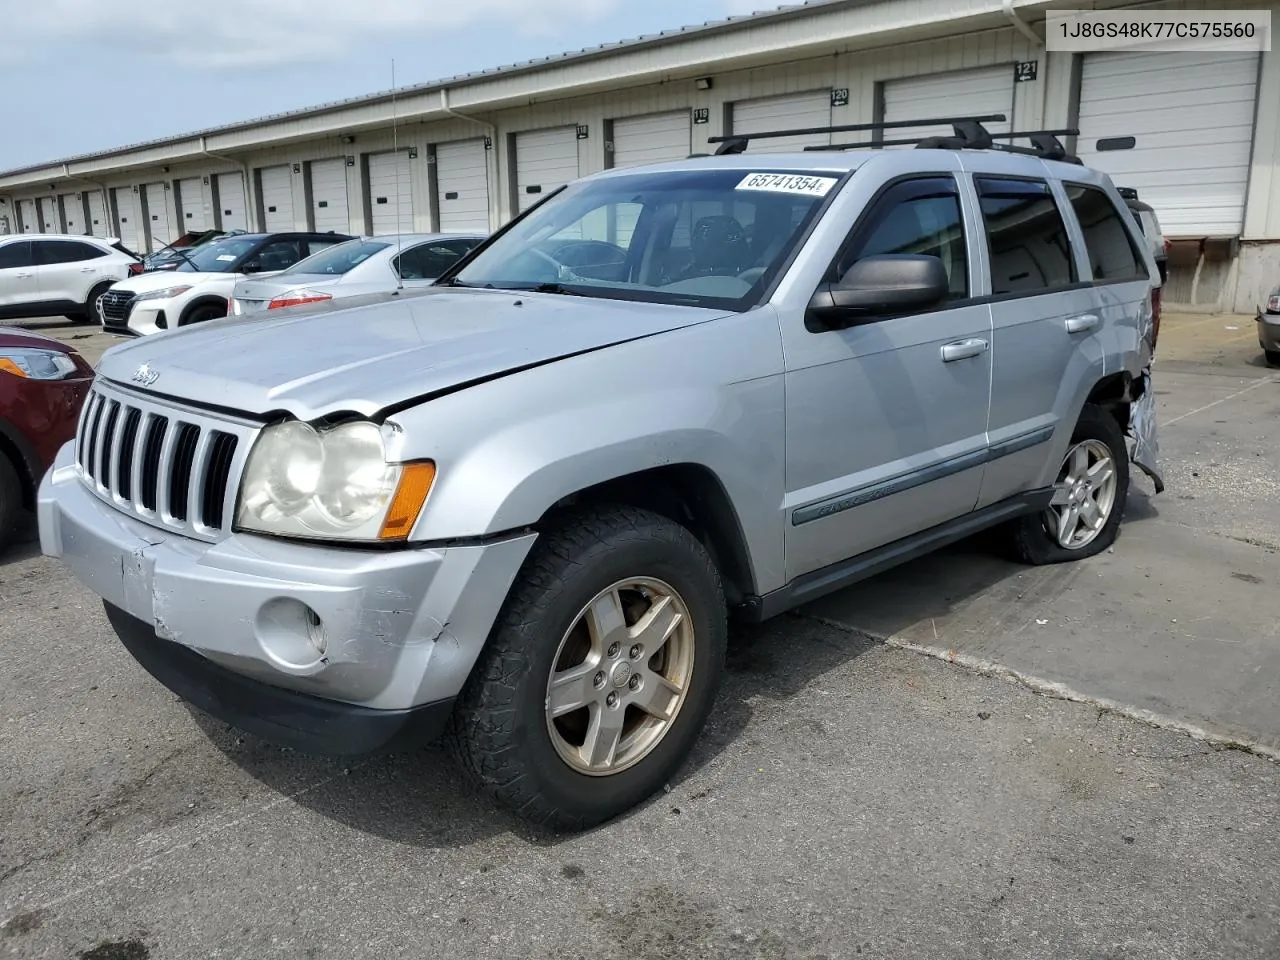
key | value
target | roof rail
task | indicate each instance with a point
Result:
(738, 142)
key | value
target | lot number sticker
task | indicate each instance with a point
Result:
(788, 183)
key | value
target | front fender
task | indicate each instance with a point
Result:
(509, 450)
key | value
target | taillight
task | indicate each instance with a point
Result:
(1155, 317)
(297, 298)
(135, 269)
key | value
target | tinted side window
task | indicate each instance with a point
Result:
(915, 216)
(277, 255)
(1112, 252)
(426, 261)
(1026, 236)
(50, 252)
(15, 255)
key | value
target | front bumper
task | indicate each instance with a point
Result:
(350, 630)
(148, 316)
(1269, 330)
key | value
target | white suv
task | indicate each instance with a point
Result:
(50, 275)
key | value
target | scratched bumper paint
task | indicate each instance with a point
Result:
(399, 628)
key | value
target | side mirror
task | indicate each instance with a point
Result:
(880, 285)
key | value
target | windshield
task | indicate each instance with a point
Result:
(339, 258)
(217, 257)
(712, 238)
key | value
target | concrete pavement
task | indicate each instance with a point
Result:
(848, 800)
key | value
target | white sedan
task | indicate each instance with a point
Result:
(367, 265)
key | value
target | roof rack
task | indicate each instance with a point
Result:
(737, 143)
(968, 134)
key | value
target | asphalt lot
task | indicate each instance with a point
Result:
(851, 798)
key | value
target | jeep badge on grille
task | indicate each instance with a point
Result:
(145, 375)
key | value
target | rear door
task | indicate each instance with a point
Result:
(1045, 327)
(18, 283)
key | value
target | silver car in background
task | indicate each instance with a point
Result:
(361, 266)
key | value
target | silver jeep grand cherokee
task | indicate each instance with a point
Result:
(521, 507)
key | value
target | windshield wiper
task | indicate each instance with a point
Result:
(551, 288)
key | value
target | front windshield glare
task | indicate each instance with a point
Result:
(712, 238)
(217, 257)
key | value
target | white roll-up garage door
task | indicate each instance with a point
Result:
(99, 222)
(231, 205)
(49, 215)
(73, 213)
(462, 185)
(391, 192)
(191, 205)
(27, 214)
(795, 111)
(545, 161)
(329, 207)
(158, 216)
(1192, 117)
(964, 93)
(276, 185)
(128, 222)
(655, 138)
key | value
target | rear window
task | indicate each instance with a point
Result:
(1027, 237)
(1113, 252)
(339, 258)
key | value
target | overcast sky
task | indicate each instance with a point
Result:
(83, 75)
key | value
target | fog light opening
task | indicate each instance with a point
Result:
(315, 630)
(292, 635)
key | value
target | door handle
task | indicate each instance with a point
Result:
(88, 269)
(1083, 323)
(25, 276)
(963, 350)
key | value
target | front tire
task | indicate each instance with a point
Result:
(1272, 357)
(600, 672)
(202, 314)
(1089, 496)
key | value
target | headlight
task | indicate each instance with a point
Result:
(36, 364)
(330, 484)
(1273, 304)
(168, 293)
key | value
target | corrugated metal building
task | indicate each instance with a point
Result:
(472, 151)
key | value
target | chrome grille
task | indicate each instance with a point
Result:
(116, 305)
(170, 466)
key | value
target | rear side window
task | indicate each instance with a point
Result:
(16, 254)
(1026, 236)
(1113, 253)
(50, 252)
(427, 261)
(918, 216)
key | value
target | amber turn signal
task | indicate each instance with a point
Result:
(411, 493)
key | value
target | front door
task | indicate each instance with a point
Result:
(887, 420)
(18, 283)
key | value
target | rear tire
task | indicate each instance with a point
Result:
(10, 501)
(1089, 497)
(91, 313)
(625, 610)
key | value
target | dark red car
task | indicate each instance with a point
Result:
(43, 384)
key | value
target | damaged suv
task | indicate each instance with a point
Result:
(519, 509)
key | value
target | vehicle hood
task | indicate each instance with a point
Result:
(368, 358)
(270, 285)
(146, 282)
(25, 339)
